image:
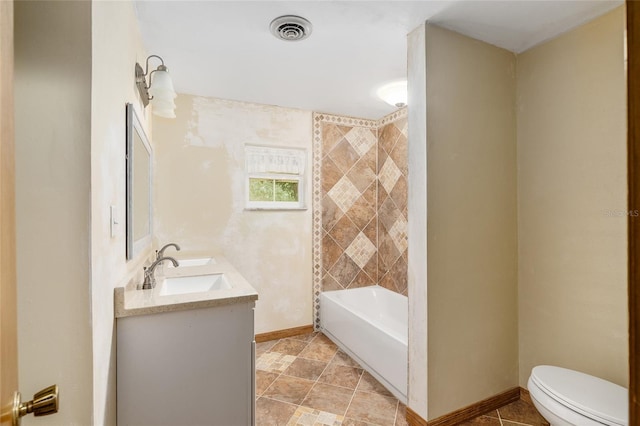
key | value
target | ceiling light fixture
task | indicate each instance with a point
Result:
(159, 90)
(394, 93)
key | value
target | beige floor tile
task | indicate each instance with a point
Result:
(273, 413)
(263, 347)
(522, 412)
(305, 337)
(289, 346)
(343, 359)
(305, 416)
(368, 383)
(321, 338)
(264, 380)
(354, 422)
(332, 399)
(341, 375)
(319, 350)
(306, 368)
(373, 408)
(401, 415)
(493, 413)
(274, 362)
(288, 389)
(483, 420)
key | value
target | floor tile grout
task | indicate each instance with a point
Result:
(319, 375)
(317, 380)
(353, 394)
(342, 362)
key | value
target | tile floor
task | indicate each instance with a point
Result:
(517, 413)
(307, 380)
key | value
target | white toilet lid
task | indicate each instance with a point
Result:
(592, 397)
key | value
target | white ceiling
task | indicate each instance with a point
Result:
(224, 49)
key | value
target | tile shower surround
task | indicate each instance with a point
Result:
(360, 203)
(307, 380)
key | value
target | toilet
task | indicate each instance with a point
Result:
(570, 398)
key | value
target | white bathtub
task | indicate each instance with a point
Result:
(370, 324)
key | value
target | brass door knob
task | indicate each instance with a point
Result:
(43, 403)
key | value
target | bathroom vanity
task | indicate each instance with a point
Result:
(185, 353)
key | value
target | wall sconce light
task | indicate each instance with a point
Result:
(394, 94)
(159, 90)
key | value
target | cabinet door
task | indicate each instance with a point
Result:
(187, 368)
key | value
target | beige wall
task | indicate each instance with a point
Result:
(74, 74)
(571, 202)
(53, 148)
(471, 222)
(117, 46)
(199, 200)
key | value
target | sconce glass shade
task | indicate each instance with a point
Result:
(163, 108)
(164, 112)
(159, 92)
(162, 94)
(394, 94)
(162, 86)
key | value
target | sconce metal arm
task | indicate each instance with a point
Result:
(141, 81)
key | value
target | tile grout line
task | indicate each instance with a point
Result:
(317, 381)
(314, 382)
(282, 373)
(353, 395)
(395, 418)
(499, 418)
(279, 374)
(518, 423)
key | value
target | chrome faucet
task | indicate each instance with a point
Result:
(149, 276)
(160, 253)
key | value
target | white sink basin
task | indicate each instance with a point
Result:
(200, 261)
(195, 284)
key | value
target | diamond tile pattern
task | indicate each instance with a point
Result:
(359, 203)
(363, 234)
(389, 174)
(392, 206)
(361, 250)
(344, 194)
(361, 139)
(398, 234)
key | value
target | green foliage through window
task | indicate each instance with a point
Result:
(281, 190)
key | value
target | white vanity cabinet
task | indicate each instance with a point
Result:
(187, 367)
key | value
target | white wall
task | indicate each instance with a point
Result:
(417, 225)
(117, 46)
(53, 199)
(200, 192)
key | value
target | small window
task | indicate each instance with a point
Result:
(275, 178)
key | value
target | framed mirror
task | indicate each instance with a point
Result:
(139, 173)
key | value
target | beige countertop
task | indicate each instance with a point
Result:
(129, 301)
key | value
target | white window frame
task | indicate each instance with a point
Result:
(275, 163)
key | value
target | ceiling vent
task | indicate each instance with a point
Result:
(290, 28)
